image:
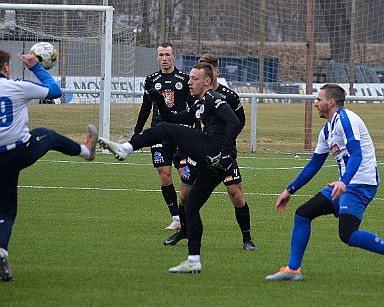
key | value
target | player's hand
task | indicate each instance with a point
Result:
(339, 188)
(226, 159)
(156, 96)
(177, 158)
(223, 160)
(282, 201)
(28, 60)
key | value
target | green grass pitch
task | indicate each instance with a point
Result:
(91, 234)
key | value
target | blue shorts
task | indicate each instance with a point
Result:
(354, 201)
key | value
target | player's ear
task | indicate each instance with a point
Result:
(332, 102)
(6, 68)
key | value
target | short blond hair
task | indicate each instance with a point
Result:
(210, 59)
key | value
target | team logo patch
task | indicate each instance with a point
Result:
(158, 157)
(228, 179)
(158, 86)
(169, 98)
(335, 149)
(179, 85)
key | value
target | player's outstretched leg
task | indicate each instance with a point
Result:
(91, 141)
(5, 267)
(115, 148)
(187, 266)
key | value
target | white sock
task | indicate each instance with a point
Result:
(5, 252)
(127, 147)
(194, 258)
(84, 151)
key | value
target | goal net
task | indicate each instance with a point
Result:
(265, 48)
(97, 85)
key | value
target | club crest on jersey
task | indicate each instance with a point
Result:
(335, 149)
(157, 86)
(179, 85)
(169, 98)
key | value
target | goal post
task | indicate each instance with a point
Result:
(85, 59)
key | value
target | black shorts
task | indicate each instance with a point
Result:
(162, 154)
(188, 177)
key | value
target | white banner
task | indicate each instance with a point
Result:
(83, 90)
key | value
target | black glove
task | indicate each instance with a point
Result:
(222, 161)
(226, 159)
(156, 96)
(177, 158)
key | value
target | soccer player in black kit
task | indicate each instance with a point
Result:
(233, 180)
(173, 84)
(213, 147)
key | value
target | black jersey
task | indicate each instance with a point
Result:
(233, 100)
(173, 86)
(215, 116)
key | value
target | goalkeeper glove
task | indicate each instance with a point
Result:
(156, 96)
(226, 159)
(222, 161)
(177, 159)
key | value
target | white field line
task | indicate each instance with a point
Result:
(158, 190)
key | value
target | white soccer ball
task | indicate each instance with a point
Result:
(45, 53)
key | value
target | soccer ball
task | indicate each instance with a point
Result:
(45, 53)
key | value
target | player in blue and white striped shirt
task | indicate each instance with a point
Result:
(20, 147)
(346, 137)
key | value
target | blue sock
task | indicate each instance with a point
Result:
(300, 237)
(367, 240)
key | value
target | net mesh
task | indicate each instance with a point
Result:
(286, 47)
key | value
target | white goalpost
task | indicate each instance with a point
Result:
(84, 38)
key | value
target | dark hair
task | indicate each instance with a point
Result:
(4, 58)
(166, 45)
(208, 72)
(210, 59)
(334, 91)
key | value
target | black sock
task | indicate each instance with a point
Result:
(244, 221)
(183, 219)
(170, 197)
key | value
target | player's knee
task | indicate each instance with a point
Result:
(318, 205)
(303, 211)
(348, 224)
(183, 197)
(345, 234)
(165, 174)
(236, 195)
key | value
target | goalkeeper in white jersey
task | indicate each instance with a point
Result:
(20, 147)
(346, 137)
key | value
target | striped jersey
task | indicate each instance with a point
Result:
(347, 126)
(14, 97)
